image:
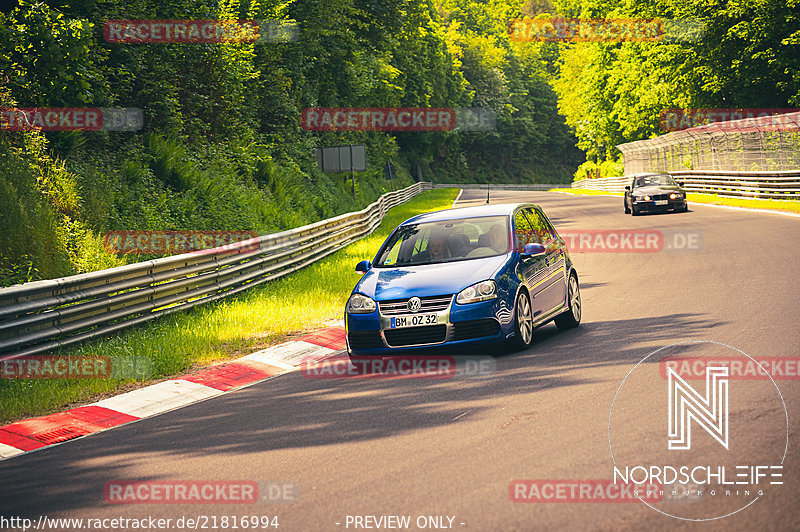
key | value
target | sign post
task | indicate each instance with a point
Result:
(350, 158)
(389, 172)
(352, 173)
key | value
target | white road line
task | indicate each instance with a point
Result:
(461, 191)
(158, 398)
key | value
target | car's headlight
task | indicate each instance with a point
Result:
(477, 292)
(358, 304)
(675, 195)
(643, 198)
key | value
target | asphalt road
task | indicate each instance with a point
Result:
(421, 447)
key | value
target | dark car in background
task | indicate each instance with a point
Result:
(463, 277)
(654, 192)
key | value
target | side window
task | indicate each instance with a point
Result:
(523, 231)
(541, 228)
(550, 228)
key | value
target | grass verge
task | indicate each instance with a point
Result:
(226, 329)
(747, 203)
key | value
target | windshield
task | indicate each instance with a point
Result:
(446, 241)
(655, 179)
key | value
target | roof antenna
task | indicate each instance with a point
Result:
(487, 192)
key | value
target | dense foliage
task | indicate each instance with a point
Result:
(222, 146)
(748, 56)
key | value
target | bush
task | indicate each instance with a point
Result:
(592, 170)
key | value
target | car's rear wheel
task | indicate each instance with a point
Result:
(523, 321)
(572, 317)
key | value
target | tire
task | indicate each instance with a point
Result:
(572, 317)
(523, 321)
(627, 210)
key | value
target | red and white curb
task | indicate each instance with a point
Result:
(36, 433)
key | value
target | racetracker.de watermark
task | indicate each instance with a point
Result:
(175, 242)
(71, 118)
(734, 118)
(581, 491)
(560, 29)
(56, 367)
(208, 31)
(115, 367)
(199, 492)
(630, 240)
(399, 367)
(398, 119)
(739, 367)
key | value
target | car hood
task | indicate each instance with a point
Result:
(383, 284)
(655, 189)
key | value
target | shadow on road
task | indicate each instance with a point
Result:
(292, 411)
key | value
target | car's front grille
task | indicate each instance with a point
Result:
(465, 330)
(660, 196)
(364, 339)
(429, 304)
(429, 334)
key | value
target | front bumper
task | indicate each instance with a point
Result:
(650, 206)
(460, 325)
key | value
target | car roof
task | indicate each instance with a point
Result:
(493, 209)
(643, 174)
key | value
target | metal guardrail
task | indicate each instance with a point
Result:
(479, 186)
(775, 185)
(606, 184)
(772, 184)
(42, 315)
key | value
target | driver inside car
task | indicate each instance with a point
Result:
(437, 248)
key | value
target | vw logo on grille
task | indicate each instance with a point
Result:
(414, 304)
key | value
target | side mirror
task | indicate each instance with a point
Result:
(627, 187)
(680, 183)
(363, 266)
(532, 249)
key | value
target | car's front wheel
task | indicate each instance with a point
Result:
(627, 209)
(523, 321)
(572, 317)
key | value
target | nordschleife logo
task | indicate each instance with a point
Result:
(716, 449)
(686, 405)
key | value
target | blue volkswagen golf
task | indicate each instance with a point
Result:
(459, 277)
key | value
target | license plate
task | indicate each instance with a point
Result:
(661, 202)
(415, 320)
